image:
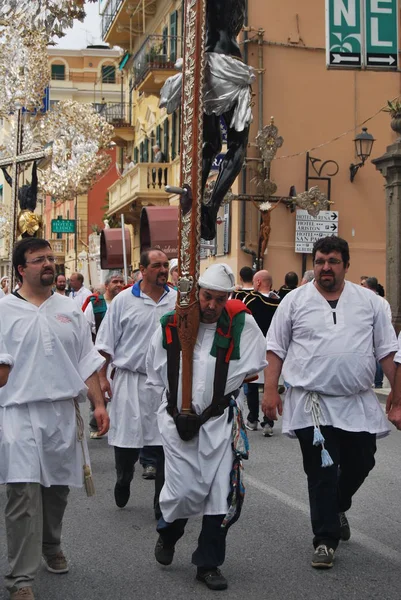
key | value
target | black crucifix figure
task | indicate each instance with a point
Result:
(226, 94)
(28, 223)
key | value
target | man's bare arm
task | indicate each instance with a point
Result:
(104, 382)
(272, 403)
(96, 397)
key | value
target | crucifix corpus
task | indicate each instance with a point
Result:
(16, 161)
(214, 84)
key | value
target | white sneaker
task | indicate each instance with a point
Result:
(267, 431)
(252, 426)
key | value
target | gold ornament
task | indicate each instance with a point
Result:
(78, 136)
(29, 224)
(313, 201)
(24, 70)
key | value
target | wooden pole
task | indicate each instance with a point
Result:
(191, 185)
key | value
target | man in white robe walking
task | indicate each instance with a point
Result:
(42, 452)
(197, 471)
(123, 339)
(325, 337)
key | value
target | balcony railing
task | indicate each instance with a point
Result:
(108, 17)
(92, 78)
(144, 181)
(58, 247)
(158, 52)
(115, 113)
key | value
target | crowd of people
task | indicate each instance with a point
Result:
(308, 352)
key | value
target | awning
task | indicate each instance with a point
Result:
(124, 60)
(159, 229)
(111, 248)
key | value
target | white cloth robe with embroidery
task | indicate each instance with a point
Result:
(337, 360)
(125, 334)
(197, 473)
(53, 353)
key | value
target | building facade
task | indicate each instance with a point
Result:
(318, 110)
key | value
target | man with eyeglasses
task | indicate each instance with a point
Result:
(325, 337)
(42, 451)
(123, 339)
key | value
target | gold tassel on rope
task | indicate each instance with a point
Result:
(88, 479)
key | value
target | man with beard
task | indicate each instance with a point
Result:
(61, 284)
(123, 339)
(229, 347)
(326, 336)
(42, 449)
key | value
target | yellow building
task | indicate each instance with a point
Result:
(318, 110)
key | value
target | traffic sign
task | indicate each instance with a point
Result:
(308, 229)
(344, 20)
(382, 34)
(63, 226)
(362, 33)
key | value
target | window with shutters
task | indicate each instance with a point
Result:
(166, 139)
(173, 35)
(108, 74)
(58, 72)
(146, 151)
(141, 152)
(173, 135)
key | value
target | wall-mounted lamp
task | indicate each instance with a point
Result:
(363, 148)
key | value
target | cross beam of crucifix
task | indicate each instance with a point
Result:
(15, 161)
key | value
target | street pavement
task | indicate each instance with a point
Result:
(110, 550)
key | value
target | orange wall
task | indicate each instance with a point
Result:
(313, 105)
(97, 196)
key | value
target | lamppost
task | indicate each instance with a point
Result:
(363, 147)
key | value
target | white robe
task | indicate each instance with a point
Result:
(337, 360)
(125, 334)
(53, 353)
(2, 294)
(198, 472)
(80, 296)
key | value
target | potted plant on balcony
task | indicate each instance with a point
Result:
(155, 55)
(394, 108)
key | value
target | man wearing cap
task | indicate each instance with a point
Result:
(174, 272)
(197, 471)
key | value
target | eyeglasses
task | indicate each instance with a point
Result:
(159, 265)
(320, 262)
(40, 260)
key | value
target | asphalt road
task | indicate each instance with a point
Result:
(110, 550)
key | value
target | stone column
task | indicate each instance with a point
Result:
(390, 167)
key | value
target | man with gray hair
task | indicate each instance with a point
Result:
(308, 277)
(94, 309)
(197, 467)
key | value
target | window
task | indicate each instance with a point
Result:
(108, 74)
(173, 36)
(174, 135)
(58, 72)
(136, 155)
(165, 41)
(141, 149)
(146, 151)
(166, 138)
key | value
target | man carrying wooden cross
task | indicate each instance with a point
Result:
(229, 346)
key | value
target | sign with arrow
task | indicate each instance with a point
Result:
(362, 33)
(381, 34)
(344, 33)
(308, 229)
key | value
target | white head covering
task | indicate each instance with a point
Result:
(218, 277)
(173, 264)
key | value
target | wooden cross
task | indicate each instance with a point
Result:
(15, 161)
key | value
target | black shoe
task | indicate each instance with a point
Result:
(212, 578)
(345, 531)
(323, 557)
(121, 495)
(164, 554)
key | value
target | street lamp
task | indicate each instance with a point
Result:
(363, 148)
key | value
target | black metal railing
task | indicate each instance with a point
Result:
(108, 17)
(157, 52)
(115, 113)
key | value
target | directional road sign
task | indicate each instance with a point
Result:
(308, 229)
(344, 20)
(382, 33)
(362, 33)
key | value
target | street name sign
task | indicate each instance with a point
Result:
(63, 226)
(308, 229)
(362, 33)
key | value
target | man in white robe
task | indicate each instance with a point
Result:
(79, 293)
(197, 472)
(325, 337)
(123, 339)
(42, 452)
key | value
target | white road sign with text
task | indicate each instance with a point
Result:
(308, 229)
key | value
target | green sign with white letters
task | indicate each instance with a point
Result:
(381, 33)
(63, 226)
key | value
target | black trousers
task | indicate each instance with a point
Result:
(331, 488)
(211, 550)
(125, 459)
(252, 398)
